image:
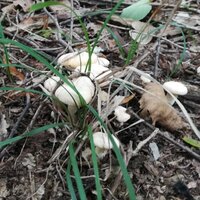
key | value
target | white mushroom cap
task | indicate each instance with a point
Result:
(102, 141)
(145, 78)
(51, 83)
(176, 88)
(73, 60)
(121, 115)
(198, 70)
(68, 96)
(103, 61)
(96, 71)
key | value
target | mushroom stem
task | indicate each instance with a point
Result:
(100, 152)
(170, 99)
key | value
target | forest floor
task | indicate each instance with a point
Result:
(35, 167)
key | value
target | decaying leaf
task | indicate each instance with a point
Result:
(154, 105)
(142, 33)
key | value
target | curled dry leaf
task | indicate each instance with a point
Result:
(154, 105)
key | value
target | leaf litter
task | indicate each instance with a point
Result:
(150, 177)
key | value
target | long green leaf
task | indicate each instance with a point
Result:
(29, 134)
(95, 165)
(76, 173)
(69, 182)
(119, 157)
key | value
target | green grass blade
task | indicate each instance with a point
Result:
(121, 49)
(69, 182)
(95, 165)
(42, 5)
(22, 90)
(118, 155)
(40, 58)
(29, 134)
(76, 173)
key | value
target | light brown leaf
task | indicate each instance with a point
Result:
(154, 105)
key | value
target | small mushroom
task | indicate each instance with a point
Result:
(51, 83)
(121, 114)
(70, 97)
(198, 70)
(103, 143)
(176, 88)
(103, 61)
(73, 60)
(145, 78)
(96, 71)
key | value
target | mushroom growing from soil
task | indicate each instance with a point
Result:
(145, 78)
(121, 114)
(176, 88)
(51, 83)
(96, 72)
(69, 96)
(73, 60)
(103, 61)
(103, 143)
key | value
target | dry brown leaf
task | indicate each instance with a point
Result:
(154, 105)
(16, 73)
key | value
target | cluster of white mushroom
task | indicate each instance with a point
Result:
(78, 62)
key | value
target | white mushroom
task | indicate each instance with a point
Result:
(73, 60)
(70, 97)
(198, 70)
(103, 61)
(145, 78)
(103, 143)
(51, 83)
(176, 88)
(121, 114)
(96, 71)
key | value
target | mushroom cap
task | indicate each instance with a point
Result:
(145, 78)
(96, 72)
(73, 60)
(198, 70)
(103, 61)
(120, 113)
(51, 83)
(101, 140)
(68, 96)
(175, 87)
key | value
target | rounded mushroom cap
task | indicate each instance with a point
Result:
(103, 61)
(51, 83)
(175, 87)
(145, 78)
(101, 140)
(120, 113)
(198, 70)
(73, 60)
(68, 96)
(96, 72)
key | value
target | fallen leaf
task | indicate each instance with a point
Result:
(15, 72)
(128, 98)
(154, 105)
(25, 4)
(143, 32)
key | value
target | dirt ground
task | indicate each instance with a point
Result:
(35, 167)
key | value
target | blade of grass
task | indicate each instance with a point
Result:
(69, 182)
(29, 134)
(76, 173)
(95, 165)
(34, 54)
(120, 159)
